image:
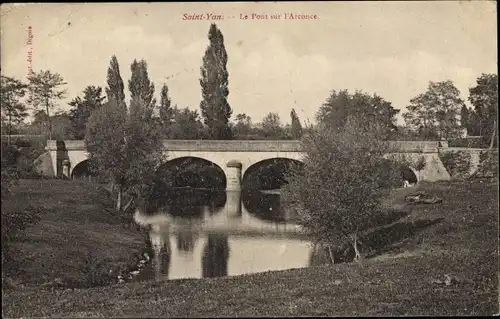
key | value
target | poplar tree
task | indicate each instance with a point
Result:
(140, 86)
(215, 109)
(296, 126)
(115, 89)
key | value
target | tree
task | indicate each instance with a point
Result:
(13, 111)
(271, 125)
(186, 125)
(340, 105)
(296, 128)
(124, 146)
(44, 91)
(484, 98)
(61, 126)
(436, 111)
(465, 118)
(165, 111)
(215, 109)
(243, 125)
(82, 108)
(140, 85)
(338, 192)
(115, 89)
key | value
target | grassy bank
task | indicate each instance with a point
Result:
(408, 278)
(78, 239)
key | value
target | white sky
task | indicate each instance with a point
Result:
(390, 48)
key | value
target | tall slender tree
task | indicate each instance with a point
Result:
(215, 109)
(165, 112)
(115, 88)
(13, 111)
(296, 126)
(140, 86)
(44, 91)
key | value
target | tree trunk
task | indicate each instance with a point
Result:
(130, 202)
(119, 199)
(358, 256)
(332, 258)
(492, 141)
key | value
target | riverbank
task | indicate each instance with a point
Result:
(449, 267)
(79, 241)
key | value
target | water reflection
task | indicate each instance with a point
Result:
(198, 234)
(215, 256)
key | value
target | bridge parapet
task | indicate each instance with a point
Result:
(251, 145)
(232, 145)
(68, 145)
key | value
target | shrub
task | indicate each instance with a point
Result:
(457, 163)
(488, 164)
(339, 191)
(10, 156)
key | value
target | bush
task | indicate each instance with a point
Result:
(339, 191)
(10, 156)
(488, 164)
(457, 163)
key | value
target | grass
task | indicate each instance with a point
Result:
(462, 242)
(79, 234)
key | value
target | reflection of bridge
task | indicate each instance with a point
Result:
(232, 219)
(236, 157)
(230, 228)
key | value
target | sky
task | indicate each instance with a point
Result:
(390, 48)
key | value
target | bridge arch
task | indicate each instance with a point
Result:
(83, 170)
(193, 172)
(269, 173)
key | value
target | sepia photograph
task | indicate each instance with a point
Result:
(249, 159)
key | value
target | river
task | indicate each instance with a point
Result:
(199, 234)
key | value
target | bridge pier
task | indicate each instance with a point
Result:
(233, 204)
(233, 177)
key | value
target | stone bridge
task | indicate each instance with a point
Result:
(235, 157)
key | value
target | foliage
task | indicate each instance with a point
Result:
(45, 91)
(140, 85)
(165, 110)
(488, 164)
(10, 157)
(271, 125)
(215, 109)
(82, 108)
(466, 118)
(115, 88)
(457, 163)
(186, 125)
(296, 128)
(484, 98)
(13, 111)
(124, 146)
(338, 192)
(420, 163)
(341, 105)
(243, 125)
(435, 112)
